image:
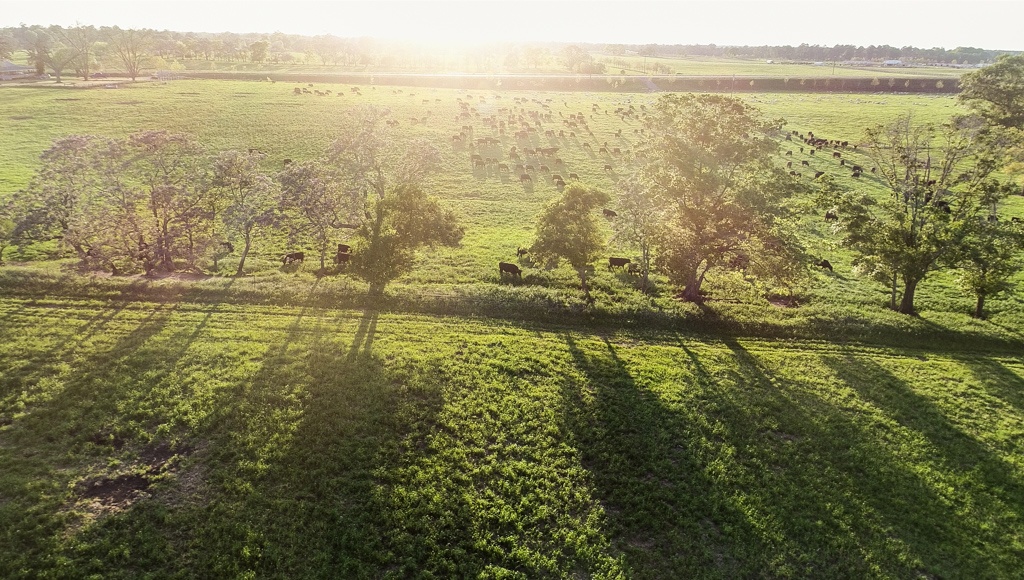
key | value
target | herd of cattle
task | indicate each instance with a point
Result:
(522, 139)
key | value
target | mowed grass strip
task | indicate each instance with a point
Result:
(184, 439)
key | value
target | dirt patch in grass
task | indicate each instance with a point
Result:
(21, 117)
(784, 301)
(114, 492)
(129, 102)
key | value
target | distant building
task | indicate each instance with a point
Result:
(893, 63)
(9, 70)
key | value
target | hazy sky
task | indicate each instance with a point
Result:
(926, 24)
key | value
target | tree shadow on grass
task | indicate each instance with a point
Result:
(997, 379)
(921, 487)
(665, 512)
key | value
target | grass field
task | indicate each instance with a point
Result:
(284, 425)
(244, 441)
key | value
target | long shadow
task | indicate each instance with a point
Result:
(996, 378)
(666, 513)
(945, 538)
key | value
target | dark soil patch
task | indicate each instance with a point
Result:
(189, 94)
(784, 301)
(158, 456)
(67, 99)
(129, 102)
(21, 117)
(114, 491)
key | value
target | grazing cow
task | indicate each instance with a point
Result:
(805, 162)
(525, 177)
(789, 153)
(812, 151)
(609, 213)
(824, 264)
(344, 248)
(818, 174)
(512, 269)
(1015, 220)
(842, 162)
(874, 170)
(342, 258)
(287, 161)
(556, 177)
(520, 252)
(617, 263)
(228, 247)
(858, 168)
(574, 176)
(793, 173)
(607, 167)
(836, 155)
(293, 257)
(856, 174)
(831, 216)
(789, 165)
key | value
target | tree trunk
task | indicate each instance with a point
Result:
(245, 252)
(691, 286)
(907, 303)
(892, 294)
(979, 308)
(583, 282)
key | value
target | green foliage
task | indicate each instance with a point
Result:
(997, 91)
(935, 195)
(250, 196)
(319, 208)
(395, 226)
(568, 230)
(990, 257)
(708, 161)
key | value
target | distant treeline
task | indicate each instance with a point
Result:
(816, 53)
(629, 84)
(87, 48)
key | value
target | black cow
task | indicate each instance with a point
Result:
(609, 213)
(294, 257)
(824, 264)
(617, 262)
(342, 258)
(520, 252)
(505, 267)
(831, 216)
(805, 162)
(344, 249)
(228, 247)
(818, 174)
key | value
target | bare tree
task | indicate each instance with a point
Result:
(130, 46)
(82, 41)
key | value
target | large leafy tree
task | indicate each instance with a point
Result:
(997, 91)
(640, 215)
(936, 190)
(568, 229)
(708, 163)
(384, 178)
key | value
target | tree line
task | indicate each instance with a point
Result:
(84, 48)
(157, 201)
(705, 195)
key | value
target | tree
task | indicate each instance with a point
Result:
(383, 179)
(314, 194)
(59, 58)
(575, 58)
(396, 225)
(168, 171)
(568, 229)
(991, 253)
(6, 45)
(250, 195)
(258, 50)
(639, 217)
(82, 41)
(935, 177)
(130, 46)
(997, 91)
(708, 163)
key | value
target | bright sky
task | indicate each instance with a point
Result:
(925, 24)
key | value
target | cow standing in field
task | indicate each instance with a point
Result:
(617, 263)
(511, 269)
(293, 258)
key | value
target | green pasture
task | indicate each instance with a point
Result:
(497, 210)
(709, 66)
(281, 424)
(179, 439)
